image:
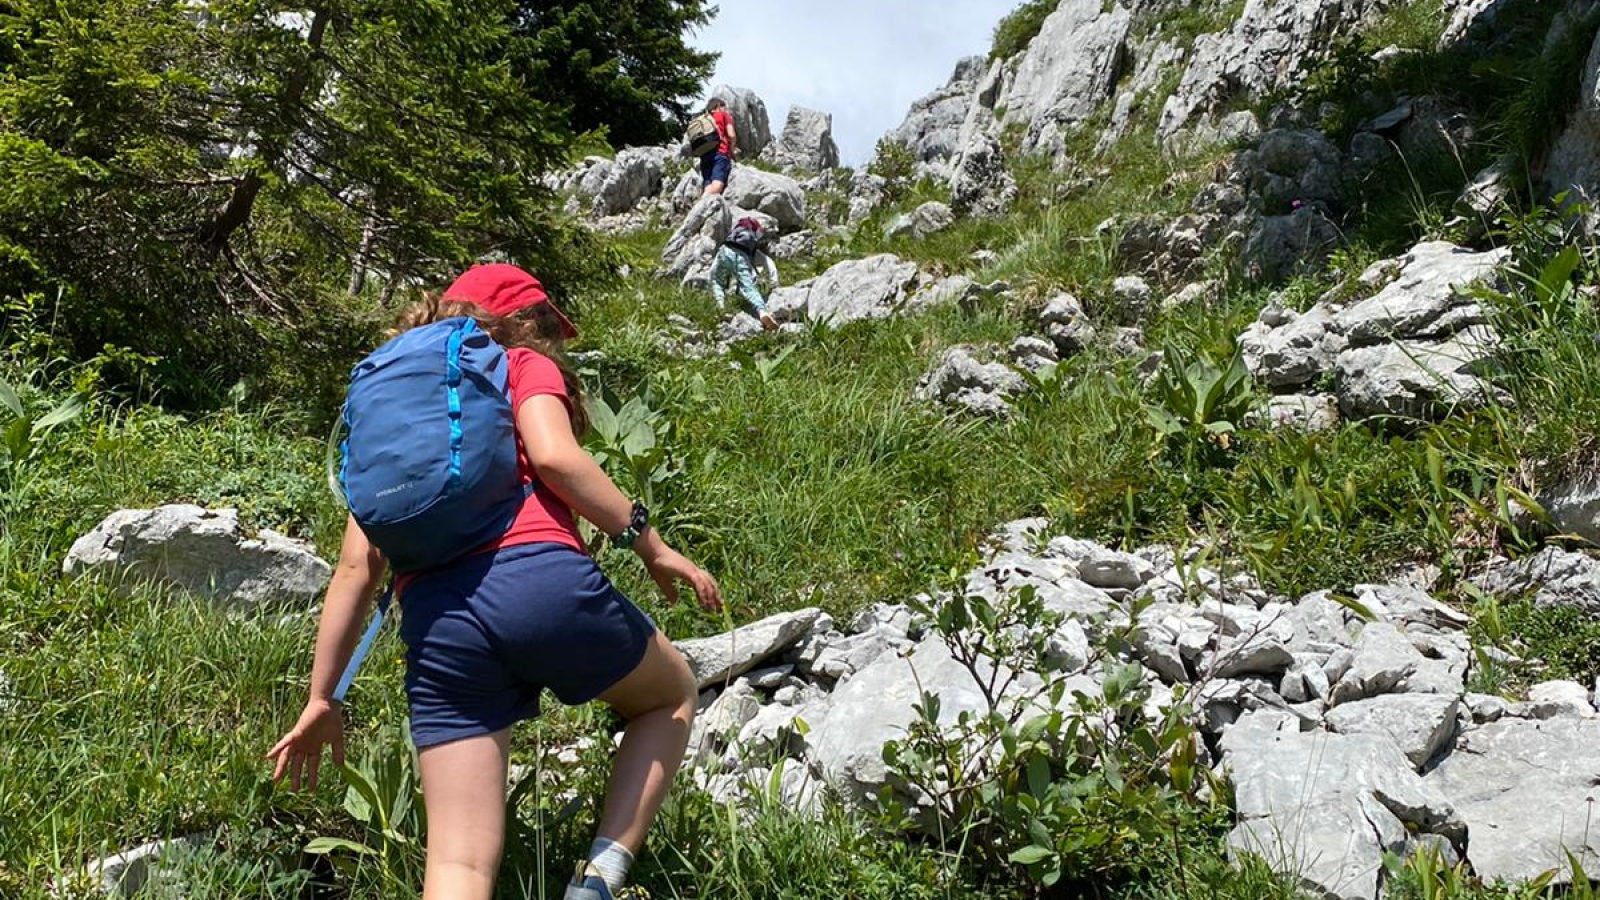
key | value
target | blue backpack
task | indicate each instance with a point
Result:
(428, 463)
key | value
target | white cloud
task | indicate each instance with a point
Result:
(864, 61)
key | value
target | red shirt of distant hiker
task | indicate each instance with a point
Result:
(504, 290)
(724, 120)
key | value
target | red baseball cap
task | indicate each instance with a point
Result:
(502, 289)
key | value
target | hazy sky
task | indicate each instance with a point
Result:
(862, 60)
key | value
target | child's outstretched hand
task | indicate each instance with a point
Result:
(299, 752)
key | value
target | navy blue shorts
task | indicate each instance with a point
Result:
(486, 635)
(715, 166)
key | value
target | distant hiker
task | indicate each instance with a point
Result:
(472, 503)
(716, 151)
(736, 261)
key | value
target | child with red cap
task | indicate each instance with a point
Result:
(487, 634)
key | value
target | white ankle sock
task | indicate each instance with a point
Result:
(611, 860)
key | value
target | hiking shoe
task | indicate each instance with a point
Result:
(585, 886)
(768, 322)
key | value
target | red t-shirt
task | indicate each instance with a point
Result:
(724, 125)
(544, 518)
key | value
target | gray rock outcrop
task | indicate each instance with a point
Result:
(717, 659)
(876, 706)
(806, 143)
(1264, 50)
(1574, 162)
(1574, 506)
(1326, 806)
(979, 183)
(932, 127)
(749, 118)
(1550, 578)
(1417, 348)
(615, 186)
(1421, 381)
(1066, 74)
(1065, 323)
(688, 252)
(929, 218)
(960, 380)
(203, 551)
(779, 196)
(1323, 718)
(1527, 791)
(871, 288)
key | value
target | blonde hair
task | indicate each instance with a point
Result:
(532, 328)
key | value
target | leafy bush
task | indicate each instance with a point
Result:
(896, 165)
(1044, 783)
(1020, 27)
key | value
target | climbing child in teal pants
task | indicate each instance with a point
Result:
(737, 259)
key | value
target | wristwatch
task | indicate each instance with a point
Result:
(637, 523)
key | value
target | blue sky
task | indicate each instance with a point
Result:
(864, 61)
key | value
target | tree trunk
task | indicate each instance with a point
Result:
(233, 215)
(358, 267)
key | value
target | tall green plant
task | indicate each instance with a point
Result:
(383, 795)
(1198, 400)
(631, 440)
(21, 438)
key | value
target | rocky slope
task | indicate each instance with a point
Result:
(1346, 730)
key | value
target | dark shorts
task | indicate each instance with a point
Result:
(715, 166)
(486, 635)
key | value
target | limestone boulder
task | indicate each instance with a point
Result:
(1277, 247)
(1301, 412)
(961, 380)
(1573, 505)
(1550, 578)
(872, 288)
(690, 249)
(1573, 166)
(1065, 323)
(750, 119)
(620, 185)
(202, 551)
(1285, 349)
(779, 196)
(1418, 381)
(1327, 806)
(1421, 725)
(876, 706)
(1427, 299)
(144, 869)
(1032, 354)
(806, 143)
(717, 659)
(929, 218)
(1527, 791)
(867, 193)
(980, 186)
